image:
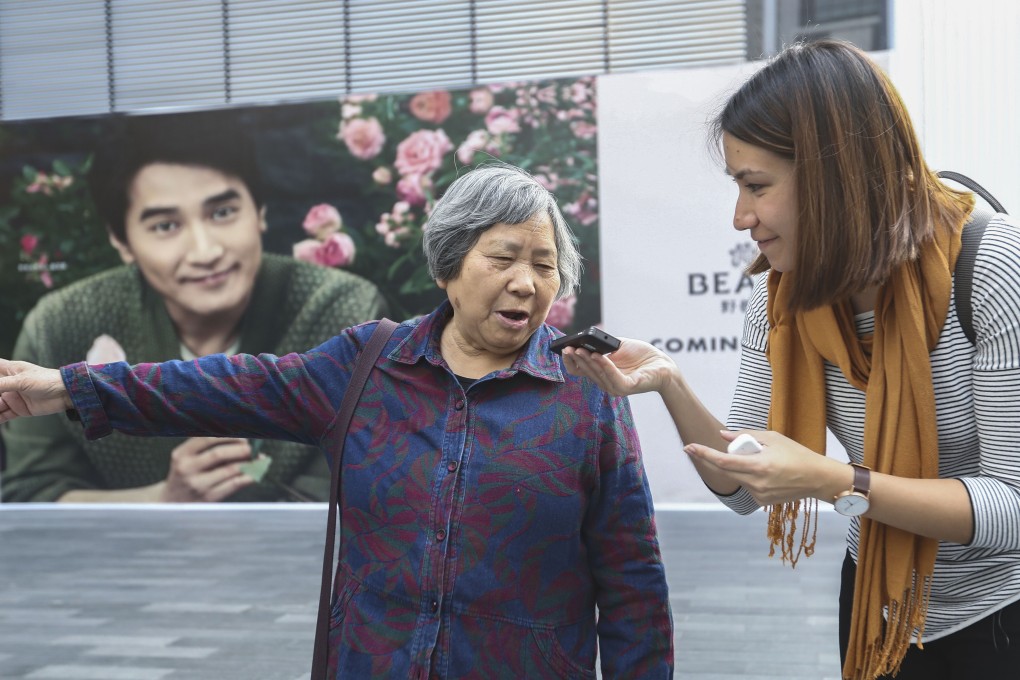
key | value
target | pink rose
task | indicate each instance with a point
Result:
(431, 107)
(584, 209)
(382, 175)
(422, 152)
(411, 189)
(363, 136)
(41, 183)
(583, 129)
(546, 95)
(322, 220)
(550, 181)
(350, 111)
(105, 350)
(481, 100)
(561, 314)
(475, 142)
(28, 243)
(337, 251)
(499, 120)
(395, 236)
(580, 92)
(307, 250)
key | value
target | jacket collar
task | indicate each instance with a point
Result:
(535, 359)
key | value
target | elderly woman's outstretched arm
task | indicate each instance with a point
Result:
(292, 398)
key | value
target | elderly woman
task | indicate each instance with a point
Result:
(491, 502)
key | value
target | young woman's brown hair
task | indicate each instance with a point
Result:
(866, 199)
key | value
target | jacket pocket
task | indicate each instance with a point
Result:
(343, 598)
(557, 658)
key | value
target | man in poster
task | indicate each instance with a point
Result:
(182, 199)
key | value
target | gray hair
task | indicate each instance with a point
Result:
(491, 194)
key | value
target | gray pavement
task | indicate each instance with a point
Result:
(218, 592)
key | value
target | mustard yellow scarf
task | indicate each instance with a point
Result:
(894, 567)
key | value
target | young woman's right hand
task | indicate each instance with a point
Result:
(634, 368)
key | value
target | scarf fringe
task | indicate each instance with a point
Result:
(782, 529)
(884, 656)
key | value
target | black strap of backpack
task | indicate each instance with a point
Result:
(964, 273)
(362, 367)
(973, 186)
(972, 232)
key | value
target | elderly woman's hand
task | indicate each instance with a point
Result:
(634, 368)
(30, 390)
(784, 471)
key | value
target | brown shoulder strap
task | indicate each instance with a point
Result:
(362, 367)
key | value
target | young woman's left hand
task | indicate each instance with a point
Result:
(784, 471)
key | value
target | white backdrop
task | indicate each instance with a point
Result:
(671, 261)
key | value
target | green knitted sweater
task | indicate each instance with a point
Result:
(295, 306)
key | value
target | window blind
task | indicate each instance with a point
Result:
(81, 57)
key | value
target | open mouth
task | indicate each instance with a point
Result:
(516, 317)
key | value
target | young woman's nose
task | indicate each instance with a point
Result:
(744, 216)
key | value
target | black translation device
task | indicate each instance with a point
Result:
(592, 339)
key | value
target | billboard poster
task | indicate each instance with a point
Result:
(343, 185)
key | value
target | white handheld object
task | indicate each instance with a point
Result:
(744, 445)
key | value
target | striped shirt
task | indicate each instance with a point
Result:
(977, 398)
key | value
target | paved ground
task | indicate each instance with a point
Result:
(215, 593)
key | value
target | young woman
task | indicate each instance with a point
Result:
(854, 328)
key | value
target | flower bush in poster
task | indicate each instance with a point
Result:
(50, 235)
(409, 148)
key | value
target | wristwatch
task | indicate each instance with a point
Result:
(854, 501)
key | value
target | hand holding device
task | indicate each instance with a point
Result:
(744, 445)
(206, 470)
(592, 339)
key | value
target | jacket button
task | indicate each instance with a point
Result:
(452, 466)
(440, 535)
(434, 605)
(459, 405)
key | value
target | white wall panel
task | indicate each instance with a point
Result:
(957, 66)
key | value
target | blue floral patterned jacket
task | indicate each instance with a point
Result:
(503, 531)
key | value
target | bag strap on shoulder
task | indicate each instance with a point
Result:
(964, 273)
(362, 367)
(973, 186)
(972, 232)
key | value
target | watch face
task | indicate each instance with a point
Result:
(851, 505)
